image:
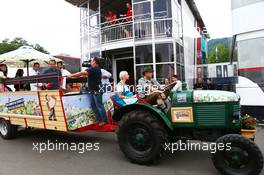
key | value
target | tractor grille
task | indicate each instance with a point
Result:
(210, 115)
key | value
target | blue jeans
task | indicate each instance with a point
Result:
(98, 107)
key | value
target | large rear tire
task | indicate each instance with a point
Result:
(244, 157)
(141, 137)
(7, 130)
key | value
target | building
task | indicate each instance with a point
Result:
(248, 29)
(72, 64)
(163, 34)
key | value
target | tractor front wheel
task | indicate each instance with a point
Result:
(141, 137)
(243, 156)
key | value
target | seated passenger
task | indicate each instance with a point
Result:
(20, 86)
(178, 84)
(123, 96)
(110, 17)
(200, 84)
(3, 77)
(52, 69)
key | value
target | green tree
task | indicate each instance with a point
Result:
(219, 54)
(7, 45)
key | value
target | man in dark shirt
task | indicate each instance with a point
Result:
(94, 75)
(53, 71)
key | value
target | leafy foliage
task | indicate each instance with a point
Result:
(10, 45)
(248, 122)
(219, 54)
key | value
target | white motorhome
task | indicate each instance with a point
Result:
(248, 29)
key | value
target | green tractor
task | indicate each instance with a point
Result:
(146, 132)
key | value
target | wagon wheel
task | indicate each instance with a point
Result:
(7, 130)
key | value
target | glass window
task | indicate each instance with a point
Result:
(178, 58)
(139, 71)
(164, 71)
(162, 9)
(163, 28)
(142, 11)
(182, 73)
(94, 21)
(144, 54)
(164, 52)
(142, 30)
(181, 55)
(95, 54)
(179, 71)
(251, 52)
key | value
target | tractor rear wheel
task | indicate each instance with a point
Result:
(243, 157)
(141, 137)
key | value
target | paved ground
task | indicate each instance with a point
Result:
(17, 157)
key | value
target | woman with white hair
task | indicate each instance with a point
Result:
(123, 95)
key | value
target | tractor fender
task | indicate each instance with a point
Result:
(156, 112)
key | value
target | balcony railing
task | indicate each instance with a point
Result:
(116, 30)
(121, 29)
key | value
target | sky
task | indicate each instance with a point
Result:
(54, 24)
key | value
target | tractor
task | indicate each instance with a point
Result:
(209, 116)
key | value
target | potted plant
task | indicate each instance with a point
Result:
(248, 126)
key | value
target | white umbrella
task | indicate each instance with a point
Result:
(25, 56)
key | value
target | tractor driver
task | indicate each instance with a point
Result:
(149, 89)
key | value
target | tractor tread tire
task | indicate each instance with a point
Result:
(246, 143)
(157, 128)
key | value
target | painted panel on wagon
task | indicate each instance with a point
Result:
(20, 104)
(78, 110)
(52, 110)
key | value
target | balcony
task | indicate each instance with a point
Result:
(121, 29)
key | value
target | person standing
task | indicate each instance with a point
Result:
(94, 75)
(106, 84)
(64, 73)
(52, 69)
(129, 12)
(35, 72)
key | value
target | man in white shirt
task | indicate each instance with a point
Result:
(178, 86)
(105, 80)
(35, 72)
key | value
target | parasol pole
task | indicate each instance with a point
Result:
(27, 62)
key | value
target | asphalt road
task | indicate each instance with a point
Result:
(18, 158)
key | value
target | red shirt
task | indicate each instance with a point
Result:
(129, 14)
(111, 19)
